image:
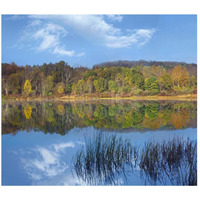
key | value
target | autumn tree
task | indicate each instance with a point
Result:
(184, 80)
(176, 75)
(180, 76)
(60, 89)
(27, 111)
(27, 87)
(158, 71)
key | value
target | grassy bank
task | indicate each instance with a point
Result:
(186, 97)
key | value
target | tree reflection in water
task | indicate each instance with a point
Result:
(106, 159)
(59, 117)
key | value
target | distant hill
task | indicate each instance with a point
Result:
(191, 67)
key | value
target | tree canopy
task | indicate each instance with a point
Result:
(61, 79)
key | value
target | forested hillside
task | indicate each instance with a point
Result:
(192, 68)
(120, 79)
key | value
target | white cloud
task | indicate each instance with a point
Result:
(62, 146)
(139, 37)
(47, 36)
(114, 18)
(46, 164)
(62, 51)
(96, 29)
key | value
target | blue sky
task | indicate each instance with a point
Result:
(91, 39)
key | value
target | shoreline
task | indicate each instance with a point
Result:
(188, 97)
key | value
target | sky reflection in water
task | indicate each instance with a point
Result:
(34, 158)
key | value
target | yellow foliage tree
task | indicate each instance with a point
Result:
(60, 109)
(180, 76)
(185, 76)
(180, 118)
(60, 89)
(176, 75)
(27, 111)
(27, 87)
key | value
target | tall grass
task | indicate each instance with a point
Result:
(106, 159)
(173, 162)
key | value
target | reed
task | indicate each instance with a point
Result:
(104, 157)
(173, 162)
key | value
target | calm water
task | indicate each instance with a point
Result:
(40, 142)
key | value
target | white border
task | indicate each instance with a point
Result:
(100, 7)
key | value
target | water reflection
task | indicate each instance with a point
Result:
(173, 162)
(45, 163)
(105, 160)
(59, 117)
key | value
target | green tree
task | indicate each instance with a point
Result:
(137, 80)
(68, 88)
(74, 89)
(99, 85)
(151, 84)
(14, 83)
(80, 86)
(165, 82)
(90, 85)
(193, 81)
(27, 87)
(151, 110)
(112, 86)
(49, 83)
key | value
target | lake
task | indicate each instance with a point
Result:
(99, 142)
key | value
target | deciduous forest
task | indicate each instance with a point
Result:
(113, 79)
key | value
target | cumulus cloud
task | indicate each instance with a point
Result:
(98, 29)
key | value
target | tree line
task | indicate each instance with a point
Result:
(61, 79)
